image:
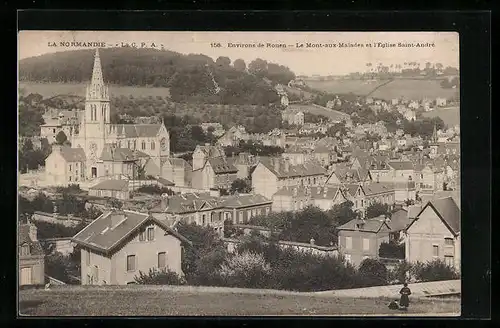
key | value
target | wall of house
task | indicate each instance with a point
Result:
(96, 263)
(357, 253)
(55, 170)
(146, 255)
(109, 193)
(264, 182)
(224, 180)
(426, 232)
(37, 265)
(176, 174)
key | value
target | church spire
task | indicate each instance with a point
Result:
(97, 90)
(434, 134)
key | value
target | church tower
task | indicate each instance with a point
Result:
(96, 117)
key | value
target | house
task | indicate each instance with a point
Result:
(233, 136)
(111, 188)
(296, 199)
(296, 155)
(324, 154)
(65, 165)
(440, 102)
(118, 245)
(361, 239)
(57, 121)
(398, 222)
(379, 192)
(435, 233)
(203, 152)
(201, 209)
(343, 174)
(31, 256)
(244, 162)
(178, 171)
(239, 209)
(272, 174)
(216, 173)
(292, 116)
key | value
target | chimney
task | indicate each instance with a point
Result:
(33, 232)
(287, 165)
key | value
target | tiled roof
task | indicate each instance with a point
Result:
(447, 210)
(185, 203)
(352, 188)
(73, 154)
(413, 211)
(24, 237)
(243, 200)
(378, 188)
(371, 225)
(220, 165)
(401, 165)
(280, 170)
(399, 220)
(110, 229)
(118, 185)
(326, 192)
(137, 130)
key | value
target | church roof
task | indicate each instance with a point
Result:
(109, 153)
(137, 130)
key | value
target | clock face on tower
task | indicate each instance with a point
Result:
(163, 144)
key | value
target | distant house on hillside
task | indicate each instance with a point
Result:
(31, 256)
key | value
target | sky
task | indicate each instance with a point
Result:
(301, 60)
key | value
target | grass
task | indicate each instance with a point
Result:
(450, 116)
(48, 90)
(158, 301)
(411, 89)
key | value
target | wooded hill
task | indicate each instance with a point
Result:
(190, 78)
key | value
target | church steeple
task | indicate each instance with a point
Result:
(434, 135)
(97, 90)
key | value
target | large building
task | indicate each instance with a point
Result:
(95, 134)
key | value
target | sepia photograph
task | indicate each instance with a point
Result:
(167, 173)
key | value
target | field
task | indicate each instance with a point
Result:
(172, 301)
(411, 89)
(48, 90)
(450, 116)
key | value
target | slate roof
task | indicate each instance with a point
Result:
(111, 153)
(73, 154)
(399, 220)
(110, 230)
(378, 188)
(237, 201)
(137, 130)
(447, 210)
(371, 225)
(401, 165)
(307, 169)
(165, 182)
(117, 185)
(185, 203)
(326, 192)
(220, 165)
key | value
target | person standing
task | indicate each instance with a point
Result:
(405, 299)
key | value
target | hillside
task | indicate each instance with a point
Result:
(408, 88)
(189, 78)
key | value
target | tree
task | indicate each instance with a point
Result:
(436, 270)
(61, 138)
(392, 250)
(342, 213)
(372, 273)
(242, 186)
(239, 65)
(223, 61)
(159, 277)
(246, 269)
(377, 209)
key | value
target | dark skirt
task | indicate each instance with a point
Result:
(405, 301)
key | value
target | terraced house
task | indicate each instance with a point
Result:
(272, 174)
(296, 198)
(240, 209)
(117, 245)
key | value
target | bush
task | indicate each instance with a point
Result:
(155, 190)
(401, 273)
(246, 269)
(159, 277)
(434, 271)
(372, 273)
(376, 209)
(392, 250)
(63, 267)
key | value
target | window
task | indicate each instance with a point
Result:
(448, 260)
(131, 263)
(134, 144)
(249, 214)
(96, 273)
(366, 244)
(151, 233)
(70, 167)
(54, 130)
(448, 241)
(152, 145)
(348, 242)
(203, 219)
(241, 216)
(25, 250)
(268, 209)
(70, 178)
(142, 235)
(435, 250)
(162, 257)
(143, 145)
(88, 257)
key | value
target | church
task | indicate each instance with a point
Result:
(101, 149)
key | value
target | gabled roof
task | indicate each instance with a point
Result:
(237, 201)
(103, 236)
(280, 170)
(401, 165)
(116, 185)
(72, 154)
(137, 130)
(111, 153)
(220, 165)
(24, 238)
(378, 188)
(186, 203)
(371, 225)
(165, 182)
(447, 210)
(399, 220)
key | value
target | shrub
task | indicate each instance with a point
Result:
(434, 271)
(392, 250)
(246, 269)
(159, 277)
(63, 267)
(376, 209)
(401, 273)
(372, 272)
